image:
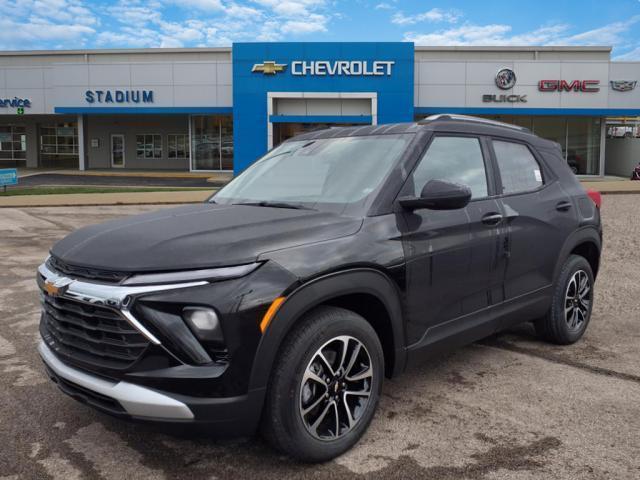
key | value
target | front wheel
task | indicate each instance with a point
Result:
(325, 385)
(570, 312)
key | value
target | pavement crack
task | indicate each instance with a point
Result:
(559, 359)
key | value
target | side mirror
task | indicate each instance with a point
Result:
(439, 195)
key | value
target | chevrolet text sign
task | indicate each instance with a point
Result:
(342, 67)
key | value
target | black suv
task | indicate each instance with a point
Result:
(341, 257)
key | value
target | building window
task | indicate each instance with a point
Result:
(148, 145)
(212, 142)
(178, 145)
(578, 137)
(59, 145)
(13, 146)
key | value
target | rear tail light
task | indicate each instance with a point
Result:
(595, 196)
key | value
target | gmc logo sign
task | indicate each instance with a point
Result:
(564, 86)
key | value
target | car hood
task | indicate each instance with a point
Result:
(197, 236)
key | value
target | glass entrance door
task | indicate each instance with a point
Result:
(117, 151)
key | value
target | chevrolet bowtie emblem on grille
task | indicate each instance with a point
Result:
(269, 67)
(57, 288)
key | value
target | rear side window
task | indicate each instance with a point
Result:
(454, 159)
(519, 170)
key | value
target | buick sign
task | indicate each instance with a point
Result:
(505, 78)
(489, 98)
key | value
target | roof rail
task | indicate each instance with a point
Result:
(469, 118)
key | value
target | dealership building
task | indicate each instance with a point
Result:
(218, 109)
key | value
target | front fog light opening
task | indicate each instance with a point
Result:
(204, 323)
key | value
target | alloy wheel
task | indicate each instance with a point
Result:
(336, 388)
(577, 300)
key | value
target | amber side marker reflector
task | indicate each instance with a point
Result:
(273, 308)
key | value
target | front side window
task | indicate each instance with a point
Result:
(148, 146)
(322, 171)
(453, 159)
(519, 170)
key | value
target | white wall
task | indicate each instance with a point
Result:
(463, 83)
(178, 79)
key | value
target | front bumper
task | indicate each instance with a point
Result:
(136, 401)
(230, 416)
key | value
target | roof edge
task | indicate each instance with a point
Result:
(487, 48)
(511, 48)
(17, 53)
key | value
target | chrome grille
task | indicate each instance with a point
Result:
(92, 335)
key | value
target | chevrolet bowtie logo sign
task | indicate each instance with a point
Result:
(57, 288)
(269, 67)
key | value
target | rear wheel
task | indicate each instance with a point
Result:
(570, 312)
(325, 385)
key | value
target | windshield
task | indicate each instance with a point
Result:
(316, 173)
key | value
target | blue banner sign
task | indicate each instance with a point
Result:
(8, 176)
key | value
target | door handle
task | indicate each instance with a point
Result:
(563, 206)
(492, 218)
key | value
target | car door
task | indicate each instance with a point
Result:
(453, 256)
(539, 215)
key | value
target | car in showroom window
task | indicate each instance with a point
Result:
(342, 256)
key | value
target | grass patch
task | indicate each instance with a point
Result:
(73, 190)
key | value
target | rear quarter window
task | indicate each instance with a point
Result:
(519, 169)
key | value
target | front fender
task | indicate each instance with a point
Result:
(317, 291)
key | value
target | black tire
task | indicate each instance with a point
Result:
(557, 326)
(283, 425)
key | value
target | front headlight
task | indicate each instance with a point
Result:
(214, 274)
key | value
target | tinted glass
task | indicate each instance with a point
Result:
(324, 171)
(519, 170)
(454, 159)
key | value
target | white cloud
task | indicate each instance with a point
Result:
(158, 23)
(632, 55)
(45, 24)
(64, 11)
(134, 14)
(610, 34)
(501, 34)
(204, 5)
(384, 6)
(292, 8)
(314, 23)
(433, 15)
(241, 11)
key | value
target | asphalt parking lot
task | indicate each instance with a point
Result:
(509, 407)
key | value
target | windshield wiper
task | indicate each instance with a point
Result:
(265, 203)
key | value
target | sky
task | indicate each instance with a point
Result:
(73, 24)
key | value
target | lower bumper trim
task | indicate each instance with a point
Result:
(138, 401)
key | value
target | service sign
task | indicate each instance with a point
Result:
(15, 102)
